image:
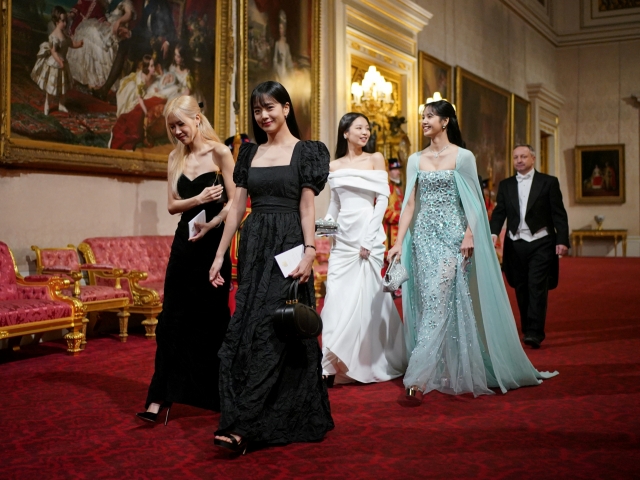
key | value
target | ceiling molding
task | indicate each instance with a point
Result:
(541, 19)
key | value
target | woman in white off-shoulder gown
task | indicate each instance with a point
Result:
(362, 337)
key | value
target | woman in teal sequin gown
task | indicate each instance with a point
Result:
(459, 326)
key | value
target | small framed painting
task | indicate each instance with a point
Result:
(600, 176)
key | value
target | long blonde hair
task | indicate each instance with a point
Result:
(184, 107)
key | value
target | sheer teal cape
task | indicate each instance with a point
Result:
(506, 361)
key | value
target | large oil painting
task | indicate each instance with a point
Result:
(435, 76)
(484, 115)
(600, 174)
(282, 43)
(92, 78)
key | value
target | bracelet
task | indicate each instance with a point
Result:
(310, 246)
(218, 225)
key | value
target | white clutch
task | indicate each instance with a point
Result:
(395, 276)
(326, 228)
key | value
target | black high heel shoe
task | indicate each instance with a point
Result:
(234, 445)
(152, 417)
(328, 380)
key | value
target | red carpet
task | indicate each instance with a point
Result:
(65, 417)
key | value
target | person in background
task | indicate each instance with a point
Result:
(537, 233)
(396, 196)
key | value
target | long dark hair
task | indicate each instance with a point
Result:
(444, 109)
(345, 123)
(259, 96)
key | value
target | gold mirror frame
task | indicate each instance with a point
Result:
(35, 154)
(243, 88)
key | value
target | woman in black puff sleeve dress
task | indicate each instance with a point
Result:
(271, 388)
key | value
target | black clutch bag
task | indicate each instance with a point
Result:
(224, 198)
(297, 319)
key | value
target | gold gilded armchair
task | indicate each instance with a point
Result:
(36, 304)
(96, 298)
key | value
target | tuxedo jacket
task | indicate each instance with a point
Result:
(544, 209)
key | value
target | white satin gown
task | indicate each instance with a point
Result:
(362, 337)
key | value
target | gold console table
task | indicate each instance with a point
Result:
(577, 237)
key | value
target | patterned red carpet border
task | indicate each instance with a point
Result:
(71, 418)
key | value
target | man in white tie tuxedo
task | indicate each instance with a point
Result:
(537, 233)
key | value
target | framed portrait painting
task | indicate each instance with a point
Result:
(434, 76)
(85, 83)
(600, 176)
(484, 114)
(281, 42)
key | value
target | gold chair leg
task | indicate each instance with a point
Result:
(14, 343)
(85, 322)
(74, 340)
(123, 316)
(150, 323)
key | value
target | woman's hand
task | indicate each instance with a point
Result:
(210, 194)
(395, 251)
(203, 228)
(467, 244)
(364, 253)
(214, 273)
(303, 270)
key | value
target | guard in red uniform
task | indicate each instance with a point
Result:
(392, 214)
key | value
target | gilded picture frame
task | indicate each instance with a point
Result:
(61, 150)
(600, 174)
(520, 124)
(434, 76)
(484, 115)
(298, 26)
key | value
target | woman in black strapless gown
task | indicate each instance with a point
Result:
(271, 388)
(195, 315)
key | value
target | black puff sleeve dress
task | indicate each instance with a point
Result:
(271, 389)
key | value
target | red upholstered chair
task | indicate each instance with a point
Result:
(36, 304)
(143, 260)
(96, 298)
(321, 265)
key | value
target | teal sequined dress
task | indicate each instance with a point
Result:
(458, 322)
(448, 355)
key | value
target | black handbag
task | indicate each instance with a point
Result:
(224, 198)
(296, 318)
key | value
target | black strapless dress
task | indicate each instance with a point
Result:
(195, 315)
(271, 389)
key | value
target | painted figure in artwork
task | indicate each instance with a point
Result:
(51, 71)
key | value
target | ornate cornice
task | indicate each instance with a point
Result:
(541, 18)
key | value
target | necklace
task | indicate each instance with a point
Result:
(437, 154)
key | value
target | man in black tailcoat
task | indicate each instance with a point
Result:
(537, 233)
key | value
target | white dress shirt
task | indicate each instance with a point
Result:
(523, 232)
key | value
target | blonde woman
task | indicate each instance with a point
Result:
(195, 315)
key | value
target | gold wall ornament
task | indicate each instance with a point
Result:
(77, 141)
(298, 70)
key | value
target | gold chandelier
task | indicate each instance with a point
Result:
(374, 95)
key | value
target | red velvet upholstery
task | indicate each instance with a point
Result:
(93, 293)
(21, 304)
(15, 312)
(34, 292)
(63, 257)
(144, 253)
(8, 285)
